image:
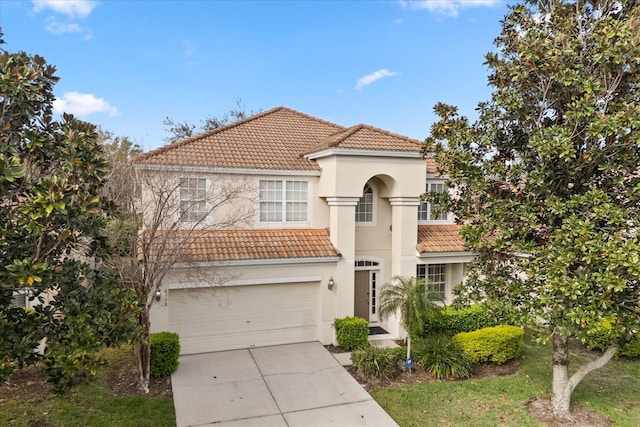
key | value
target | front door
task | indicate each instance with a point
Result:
(365, 296)
(361, 295)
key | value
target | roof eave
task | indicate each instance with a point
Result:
(334, 151)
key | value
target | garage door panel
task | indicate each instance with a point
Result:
(244, 316)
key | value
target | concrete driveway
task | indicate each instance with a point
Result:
(288, 385)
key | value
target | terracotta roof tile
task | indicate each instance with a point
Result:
(440, 238)
(273, 139)
(365, 137)
(238, 245)
(432, 166)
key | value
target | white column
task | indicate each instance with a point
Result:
(342, 211)
(404, 235)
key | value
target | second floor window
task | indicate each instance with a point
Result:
(193, 200)
(283, 201)
(364, 208)
(425, 210)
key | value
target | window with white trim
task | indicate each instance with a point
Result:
(364, 208)
(283, 201)
(193, 199)
(24, 298)
(436, 275)
(425, 211)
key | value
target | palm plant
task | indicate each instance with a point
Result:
(412, 298)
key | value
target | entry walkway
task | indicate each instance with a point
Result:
(295, 385)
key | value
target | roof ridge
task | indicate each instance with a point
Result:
(393, 134)
(326, 122)
(347, 133)
(180, 143)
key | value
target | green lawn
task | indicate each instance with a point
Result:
(500, 401)
(90, 404)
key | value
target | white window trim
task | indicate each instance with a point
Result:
(449, 216)
(374, 207)
(447, 282)
(27, 295)
(182, 217)
(283, 201)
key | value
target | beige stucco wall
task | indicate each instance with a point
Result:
(345, 176)
(253, 274)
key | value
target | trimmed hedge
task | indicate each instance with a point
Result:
(496, 344)
(165, 349)
(352, 332)
(456, 320)
(378, 362)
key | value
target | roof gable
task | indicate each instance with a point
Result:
(365, 137)
(272, 139)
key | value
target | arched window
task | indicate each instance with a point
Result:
(364, 208)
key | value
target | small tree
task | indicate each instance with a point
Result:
(182, 130)
(154, 230)
(547, 180)
(412, 299)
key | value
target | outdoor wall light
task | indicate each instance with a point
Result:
(331, 283)
(158, 295)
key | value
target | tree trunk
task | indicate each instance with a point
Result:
(563, 385)
(561, 393)
(143, 352)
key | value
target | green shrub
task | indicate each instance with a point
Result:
(496, 344)
(378, 362)
(631, 349)
(165, 349)
(464, 319)
(604, 337)
(352, 332)
(442, 356)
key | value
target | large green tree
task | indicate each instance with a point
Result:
(547, 179)
(52, 232)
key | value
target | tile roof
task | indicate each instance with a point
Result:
(364, 137)
(238, 245)
(440, 238)
(432, 165)
(272, 140)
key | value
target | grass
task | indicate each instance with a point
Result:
(611, 391)
(91, 404)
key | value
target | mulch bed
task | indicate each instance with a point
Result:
(540, 409)
(31, 383)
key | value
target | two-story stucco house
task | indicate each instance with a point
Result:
(337, 216)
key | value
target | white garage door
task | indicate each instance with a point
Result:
(225, 318)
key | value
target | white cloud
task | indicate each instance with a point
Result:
(83, 104)
(376, 75)
(72, 8)
(57, 27)
(446, 7)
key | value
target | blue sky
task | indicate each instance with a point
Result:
(126, 65)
